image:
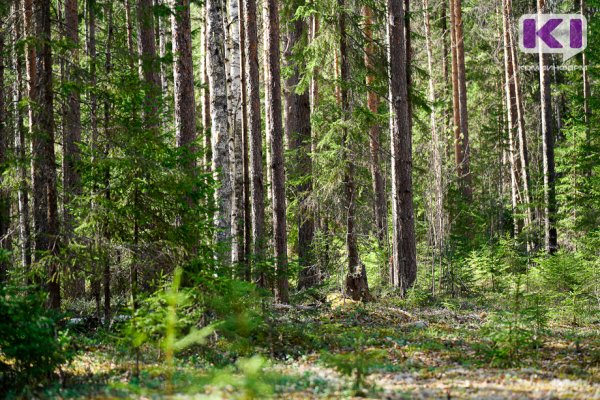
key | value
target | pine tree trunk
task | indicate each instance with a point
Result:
(245, 144)
(19, 140)
(379, 204)
(4, 193)
(298, 132)
(149, 67)
(72, 116)
(404, 248)
(437, 186)
(107, 231)
(550, 234)
(356, 280)
(587, 112)
(255, 137)
(206, 96)
(45, 208)
(162, 25)
(523, 152)
(220, 134)
(460, 106)
(183, 78)
(511, 113)
(275, 125)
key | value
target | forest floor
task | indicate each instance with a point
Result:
(445, 351)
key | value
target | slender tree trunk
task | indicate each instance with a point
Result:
(550, 234)
(45, 208)
(72, 116)
(380, 205)
(274, 105)
(255, 137)
(266, 78)
(206, 96)
(149, 67)
(356, 280)
(587, 112)
(460, 89)
(219, 130)
(245, 149)
(523, 152)
(4, 142)
(183, 78)
(511, 117)
(234, 96)
(298, 132)
(162, 25)
(19, 136)
(107, 231)
(437, 222)
(404, 247)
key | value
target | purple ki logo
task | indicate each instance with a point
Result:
(564, 34)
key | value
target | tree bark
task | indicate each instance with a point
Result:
(274, 105)
(437, 186)
(234, 96)
(220, 134)
(298, 132)
(245, 149)
(4, 141)
(72, 115)
(550, 234)
(404, 247)
(511, 114)
(148, 63)
(380, 205)
(460, 89)
(206, 96)
(356, 280)
(255, 138)
(45, 209)
(183, 78)
(19, 137)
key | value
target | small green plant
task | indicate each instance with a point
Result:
(359, 363)
(518, 330)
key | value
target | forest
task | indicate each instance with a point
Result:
(299, 199)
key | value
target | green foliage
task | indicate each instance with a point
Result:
(32, 346)
(359, 363)
(518, 329)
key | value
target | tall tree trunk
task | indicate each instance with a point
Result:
(356, 280)
(162, 25)
(404, 247)
(149, 67)
(277, 161)
(550, 234)
(107, 107)
(206, 95)
(4, 141)
(379, 205)
(72, 115)
(220, 134)
(234, 96)
(587, 112)
(460, 89)
(266, 79)
(245, 149)
(255, 137)
(19, 136)
(523, 152)
(437, 219)
(94, 139)
(183, 78)
(511, 114)
(298, 132)
(45, 208)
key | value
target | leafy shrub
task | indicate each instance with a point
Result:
(31, 345)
